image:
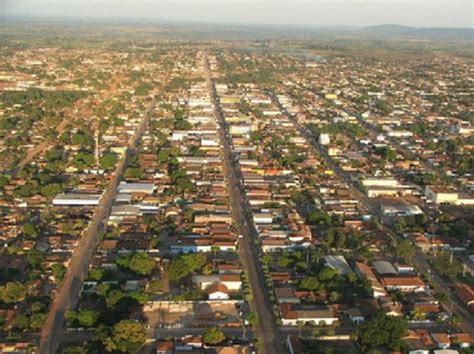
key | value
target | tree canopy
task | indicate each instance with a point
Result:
(213, 336)
(184, 265)
(126, 336)
(12, 292)
(382, 331)
(140, 263)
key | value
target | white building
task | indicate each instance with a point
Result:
(73, 199)
(324, 139)
(262, 218)
(338, 263)
(217, 291)
(146, 188)
(380, 182)
(441, 194)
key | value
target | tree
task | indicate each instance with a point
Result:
(12, 292)
(184, 265)
(252, 318)
(21, 322)
(315, 333)
(455, 321)
(113, 297)
(139, 296)
(327, 274)
(309, 283)
(446, 265)
(301, 266)
(126, 336)
(140, 263)
(3, 181)
(207, 269)
(84, 159)
(213, 336)
(318, 217)
(34, 258)
(83, 138)
(37, 306)
(382, 330)
(29, 230)
(51, 190)
(163, 156)
(404, 250)
(58, 271)
(386, 153)
(155, 286)
(108, 161)
(441, 297)
(37, 321)
(97, 273)
(133, 172)
(87, 318)
(77, 349)
(284, 262)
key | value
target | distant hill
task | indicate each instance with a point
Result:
(424, 32)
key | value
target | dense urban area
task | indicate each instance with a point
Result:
(166, 195)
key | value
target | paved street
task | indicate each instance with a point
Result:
(454, 304)
(266, 328)
(370, 206)
(68, 293)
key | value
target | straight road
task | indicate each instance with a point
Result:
(366, 205)
(374, 130)
(68, 293)
(455, 305)
(36, 150)
(266, 329)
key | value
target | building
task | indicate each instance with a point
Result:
(404, 284)
(441, 194)
(380, 182)
(384, 268)
(73, 199)
(338, 263)
(324, 139)
(217, 291)
(145, 188)
(294, 314)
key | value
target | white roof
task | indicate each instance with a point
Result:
(338, 263)
(125, 187)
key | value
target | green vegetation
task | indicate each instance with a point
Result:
(252, 318)
(382, 331)
(82, 318)
(12, 292)
(446, 264)
(108, 161)
(154, 287)
(213, 336)
(140, 263)
(185, 265)
(404, 250)
(58, 272)
(125, 337)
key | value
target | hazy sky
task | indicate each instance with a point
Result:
(448, 13)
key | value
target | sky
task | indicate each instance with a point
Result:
(359, 13)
